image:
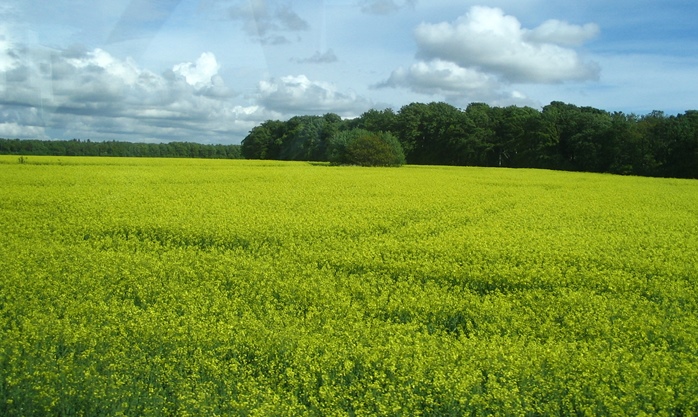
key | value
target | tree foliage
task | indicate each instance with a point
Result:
(559, 136)
(301, 138)
(77, 147)
(361, 147)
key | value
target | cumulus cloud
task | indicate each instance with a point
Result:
(93, 94)
(268, 22)
(562, 33)
(492, 42)
(442, 77)
(201, 73)
(97, 81)
(101, 63)
(13, 130)
(385, 7)
(298, 94)
(456, 83)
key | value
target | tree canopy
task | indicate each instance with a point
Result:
(77, 147)
(366, 148)
(559, 136)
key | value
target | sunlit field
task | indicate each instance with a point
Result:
(182, 287)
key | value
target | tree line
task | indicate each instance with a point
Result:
(559, 136)
(77, 147)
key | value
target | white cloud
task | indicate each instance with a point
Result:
(443, 77)
(456, 84)
(125, 71)
(96, 81)
(298, 94)
(562, 33)
(490, 41)
(93, 94)
(200, 74)
(13, 130)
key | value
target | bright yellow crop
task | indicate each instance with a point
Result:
(228, 287)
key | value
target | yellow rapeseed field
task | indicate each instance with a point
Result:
(182, 287)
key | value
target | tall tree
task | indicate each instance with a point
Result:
(431, 133)
(376, 121)
(263, 141)
(515, 143)
(682, 143)
(480, 139)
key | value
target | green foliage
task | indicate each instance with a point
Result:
(376, 121)
(297, 290)
(263, 141)
(301, 138)
(76, 147)
(561, 136)
(361, 147)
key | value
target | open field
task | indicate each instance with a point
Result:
(168, 287)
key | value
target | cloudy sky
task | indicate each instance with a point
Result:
(210, 70)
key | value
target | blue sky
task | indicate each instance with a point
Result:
(210, 70)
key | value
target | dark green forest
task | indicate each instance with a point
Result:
(77, 147)
(560, 136)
